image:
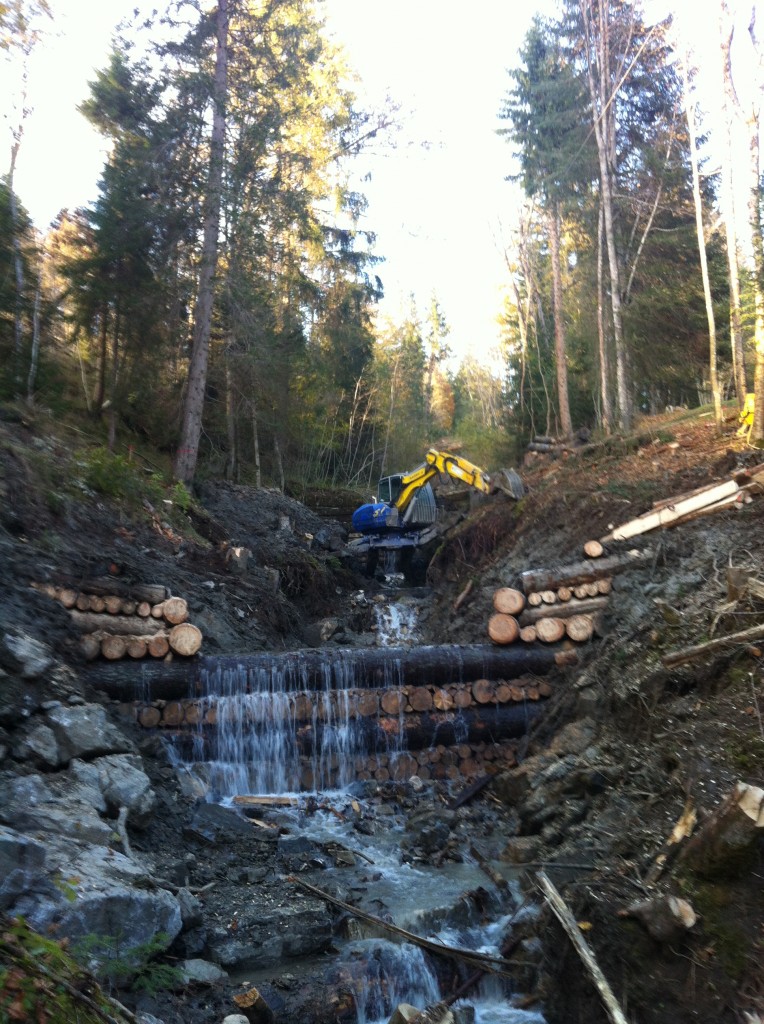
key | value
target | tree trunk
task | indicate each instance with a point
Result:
(728, 193)
(606, 411)
(193, 406)
(308, 669)
(35, 355)
(603, 106)
(583, 572)
(712, 353)
(560, 352)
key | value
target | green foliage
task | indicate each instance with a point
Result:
(119, 965)
(179, 496)
(40, 981)
(106, 473)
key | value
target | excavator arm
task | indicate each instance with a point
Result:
(436, 462)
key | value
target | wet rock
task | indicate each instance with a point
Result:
(22, 654)
(215, 825)
(123, 783)
(39, 745)
(430, 829)
(22, 860)
(202, 972)
(521, 850)
(191, 910)
(85, 732)
(266, 932)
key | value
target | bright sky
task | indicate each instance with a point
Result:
(438, 211)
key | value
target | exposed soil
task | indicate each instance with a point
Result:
(664, 735)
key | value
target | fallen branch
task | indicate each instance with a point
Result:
(699, 650)
(487, 963)
(560, 910)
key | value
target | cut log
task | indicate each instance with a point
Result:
(185, 639)
(503, 629)
(114, 647)
(727, 842)
(126, 607)
(588, 606)
(175, 610)
(96, 604)
(136, 646)
(712, 646)
(393, 702)
(564, 594)
(157, 611)
(373, 667)
(483, 691)
(442, 700)
(604, 586)
(488, 724)
(143, 609)
(549, 596)
(528, 634)
(158, 645)
(114, 605)
(593, 549)
(153, 593)
(584, 572)
(67, 597)
(667, 514)
(126, 625)
(149, 717)
(420, 698)
(265, 801)
(550, 630)
(581, 591)
(580, 628)
(253, 1007)
(83, 602)
(508, 600)
(535, 600)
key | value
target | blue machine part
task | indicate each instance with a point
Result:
(375, 517)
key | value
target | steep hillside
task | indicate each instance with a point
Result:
(626, 747)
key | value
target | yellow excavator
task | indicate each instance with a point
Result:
(403, 515)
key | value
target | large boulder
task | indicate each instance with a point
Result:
(85, 731)
(22, 860)
(124, 784)
(24, 655)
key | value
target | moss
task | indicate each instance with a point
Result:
(717, 904)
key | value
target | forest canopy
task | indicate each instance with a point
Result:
(218, 299)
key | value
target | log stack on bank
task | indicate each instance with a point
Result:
(561, 603)
(119, 621)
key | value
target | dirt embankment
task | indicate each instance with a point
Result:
(644, 740)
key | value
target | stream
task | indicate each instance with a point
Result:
(258, 749)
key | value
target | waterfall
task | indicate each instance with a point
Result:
(273, 735)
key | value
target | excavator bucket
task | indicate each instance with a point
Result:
(508, 482)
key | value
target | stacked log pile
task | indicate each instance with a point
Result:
(374, 704)
(459, 730)
(119, 621)
(560, 603)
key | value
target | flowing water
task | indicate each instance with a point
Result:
(278, 732)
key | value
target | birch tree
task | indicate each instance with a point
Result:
(712, 353)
